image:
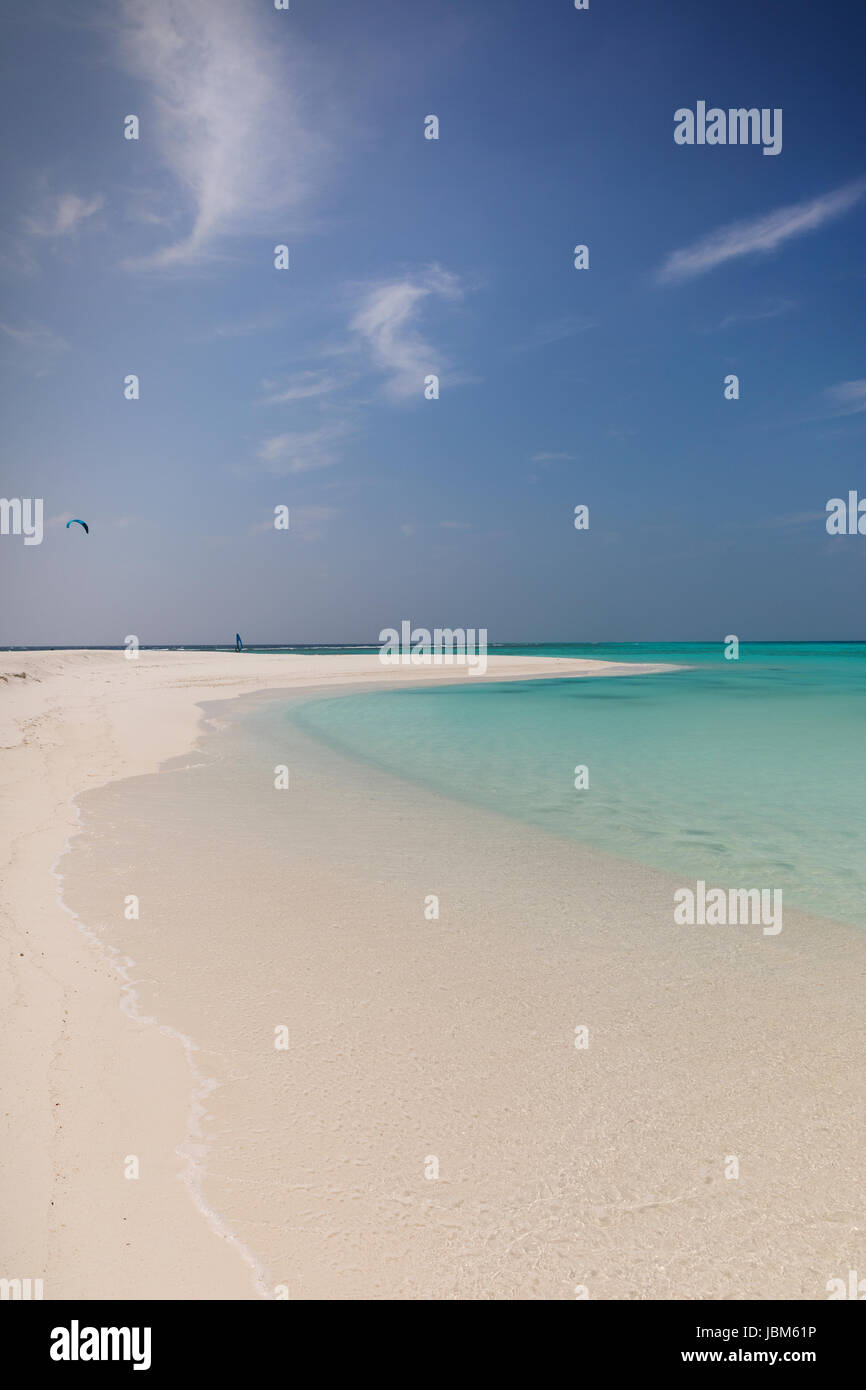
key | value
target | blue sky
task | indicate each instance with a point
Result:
(305, 387)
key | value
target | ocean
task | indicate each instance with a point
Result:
(745, 773)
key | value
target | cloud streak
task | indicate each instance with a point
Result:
(385, 325)
(848, 398)
(383, 342)
(302, 386)
(64, 215)
(301, 451)
(769, 311)
(760, 236)
(556, 332)
(225, 108)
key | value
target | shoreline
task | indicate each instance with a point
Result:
(560, 1168)
(75, 1062)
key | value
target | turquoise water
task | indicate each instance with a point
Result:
(746, 773)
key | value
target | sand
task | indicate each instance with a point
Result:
(80, 1075)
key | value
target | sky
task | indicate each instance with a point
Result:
(409, 257)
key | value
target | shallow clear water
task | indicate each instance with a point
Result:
(746, 773)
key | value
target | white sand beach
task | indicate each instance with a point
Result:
(562, 1173)
(75, 1065)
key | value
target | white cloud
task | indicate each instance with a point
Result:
(848, 398)
(301, 451)
(300, 387)
(383, 338)
(385, 325)
(769, 311)
(63, 214)
(761, 236)
(226, 116)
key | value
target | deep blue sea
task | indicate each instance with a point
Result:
(746, 773)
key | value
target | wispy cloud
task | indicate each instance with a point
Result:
(545, 459)
(555, 332)
(226, 113)
(761, 236)
(63, 214)
(301, 386)
(848, 398)
(35, 337)
(385, 324)
(383, 340)
(774, 310)
(301, 451)
(38, 347)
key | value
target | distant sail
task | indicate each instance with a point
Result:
(239, 646)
